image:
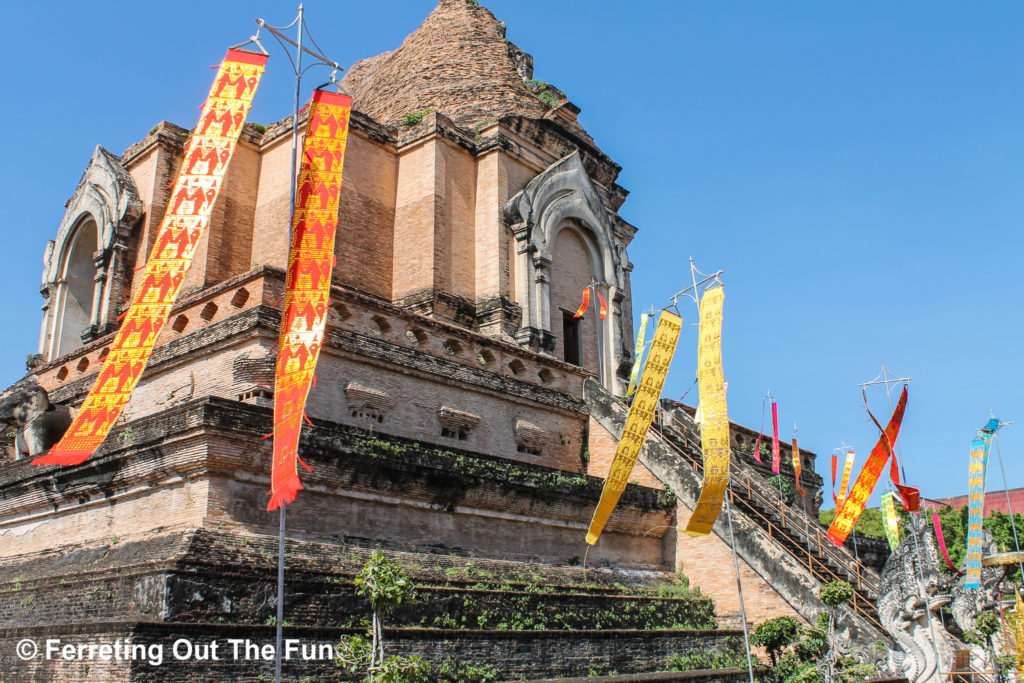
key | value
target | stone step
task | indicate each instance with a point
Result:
(513, 655)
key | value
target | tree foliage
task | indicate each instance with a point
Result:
(384, 583)
(775, 635)
(835, 593)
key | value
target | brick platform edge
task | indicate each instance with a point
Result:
(702, 675)
(516, 654)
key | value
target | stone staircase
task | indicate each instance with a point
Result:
(770, 536)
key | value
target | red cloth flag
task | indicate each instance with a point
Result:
(851, 508)
(776, 455)
(835, 465)
(586, 302)
(307, 284)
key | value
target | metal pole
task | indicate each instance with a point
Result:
(598, 323)
(739, 585)
(279, 636)
(280, 595)
(920, 578)
(1009, 506)
(897, 453)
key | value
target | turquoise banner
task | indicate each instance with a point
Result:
(980, 448)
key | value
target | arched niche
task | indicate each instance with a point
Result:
(77, 274)
(575, 263)
(85, 271)
(563, 198)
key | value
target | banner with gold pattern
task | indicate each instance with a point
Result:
(638, 352)
(638, 421)
(797, 468)
(844, 485)
(890, 521)
(714, 430)
(307, 283)
(205, 162)
(980, 448)
(851, 508)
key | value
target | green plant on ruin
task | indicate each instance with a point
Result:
(259, 128)
(413, 118)
(802, 654)
(354, 654)
(788, 492)
(775, 635)
(473, 3)
(465, 672)
(667, 497)
(728, 657)
(548, 98)
(834, 594)
(386, 585)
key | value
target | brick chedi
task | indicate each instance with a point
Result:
(450, 423)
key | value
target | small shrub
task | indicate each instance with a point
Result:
(835, 593)
(415, 117)
(775, 635)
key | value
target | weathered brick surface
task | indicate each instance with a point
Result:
(515, 654)
(204, 461)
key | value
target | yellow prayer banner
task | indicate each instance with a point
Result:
(844, 486)
(714, 428)
(638, 421)
(204, 164)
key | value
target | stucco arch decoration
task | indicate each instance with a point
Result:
(560, 197)
(107, 195)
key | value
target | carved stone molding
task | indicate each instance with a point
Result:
(563, 196)
(107, 197)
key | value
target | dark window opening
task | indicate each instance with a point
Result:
(367, 414)
(454, 433)
(571, 338)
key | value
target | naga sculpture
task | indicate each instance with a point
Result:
(915, 588)
(38, 424)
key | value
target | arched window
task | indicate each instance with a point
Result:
(76, 288)
(86, 276)
(566, 236)
(571, 271)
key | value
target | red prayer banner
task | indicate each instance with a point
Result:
(206, 158)
(586, 302)
(853, 505)
(307, 284)
(835, 464)
(942, 544)
(776, 454)
(910, 497)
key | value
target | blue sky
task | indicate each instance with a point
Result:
(855, 169)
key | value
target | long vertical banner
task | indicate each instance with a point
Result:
(976, 500)
(202, 172)
(848, 513)
(308, 283)
(910, 497)
(638, 353)
(638, 421)
(890, 521)
(844, 484)
(942, 544)
(797, 468)
(714, 430)
(776, 454)
(760, 433)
